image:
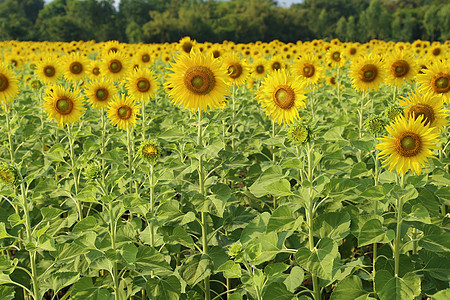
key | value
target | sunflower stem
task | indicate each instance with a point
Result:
(74, 171)
(130, 159)
(233, 126)
(338, 83)
(103, 146)
(143, 120)
(113, 246)
(201, 179)
(375, 178)
(273, 147)
(8, 128)
(152, 234)
(399, 206)
(394, 93)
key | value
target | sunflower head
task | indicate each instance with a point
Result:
(367, 73)
(142, 84)
(375, 124)
(299, 132)
(436, 79)
(115, 65)
(8, 84)
(74, 66)
(63, 105)
(122, 111)
(236, 68)
(8, 175)
(100, 92)
(92, 171)
(150, 151)
(393, 111)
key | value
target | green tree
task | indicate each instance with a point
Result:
(431, 22)
(14, 24)
(341, 29)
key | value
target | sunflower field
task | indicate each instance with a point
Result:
(309, 170)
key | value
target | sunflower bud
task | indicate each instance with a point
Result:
(92, 171)
(375, 124)
(35, 84)
(393, 111)
(235, 249)
(150, 151)
(299, 133)
(8, 175)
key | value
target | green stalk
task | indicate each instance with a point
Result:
(201, 179)
(399, 206)
(338, 82)
(152, 232)
(74, 171)
(143, 120)
(10, 142)
(130, 159)
(375, 245)
(233, 126)
(103, 143)
(113, 245)
(273, 147)
(414, 242)
(394, 94)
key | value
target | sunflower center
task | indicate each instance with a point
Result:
(368, 73)
(145, 58)
(216, 53)
(352, 51)
(408, 144)
(124, 112)
(284, 97)
(3, 83)
(101, 94)
(336, 56)
(200, 80)
(76, 68)
(276, 66)
(436, 51)
(441, 83)
(235, 70)
(308, 70)
(64, 106)
(400, 68)
(143, 85)
(422, 110)
(115, 66)
(187, 46)
(49, 71)
(260, 69)
(333, 80)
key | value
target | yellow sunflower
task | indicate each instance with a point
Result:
(335, 57)
(65, 106)
(93, 69)
(281, 95)
(142, 84)
(185, 45)
(115, 65)
(402, 67)
(48, 69)
(197, 82)
(259, 67)
(100, 92)
(237, 68)
(122, 111)
(8, 85)
(409, 145)
(436, 79)
(309, 69)
(74, 67)
(367, 73)
(429, 106)
(276, 63)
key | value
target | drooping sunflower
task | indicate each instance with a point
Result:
(408, 146)
(429, 106)
(197, 81)
(65, 106)
(436, 80)
(259, 68)
(74, 67)
(367, 73)
(100, 92)
(115, 66)
(401, 67)
(309, 68)
(281, 95)
(48, 69)
(8, 84)
(122, 111)
(237, 68)
(142, 84)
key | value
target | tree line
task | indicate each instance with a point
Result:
(159, 21)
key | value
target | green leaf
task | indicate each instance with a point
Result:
(320, 260)
(148, 259)
(372, 232)
(7, 292)
(221, 194)
(230, 270)
(163, 289)
(255, 228)
(275, 269)
(196, 268)
(374, 193)
(279, 188)
(366, 146)
(349, 288)
(84, 289)
(277, 291)
(442, 295)
(281, 219)
(129, 253)
(335, 225)
(419, 213)
(406, 194)
(435, 239)
(180, 236)
(294, 279)
(389, 287)
(3, 232)
(49, 213)
(437, 265)
(69, 251)
(358, 170)
(57, 281)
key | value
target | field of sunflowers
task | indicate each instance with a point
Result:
(314, 170)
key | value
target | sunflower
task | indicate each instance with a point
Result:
(367, 73)
(65, 106)
(185, 45)
(276, 63)
(281, 94)
(236, 68)
(48, 69)
(111, 47)
(122, 111)
(309, 69)
(142, 84)
(143, 58)
(197, 81)
(429, 106)
(259, 68)
(100, 92)
(93, 69)
(115, 66)
(436, 80)
(8, 84)
(335, 57)
(331, 80)
(409, 145)
(402, 67)
(74, 67)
